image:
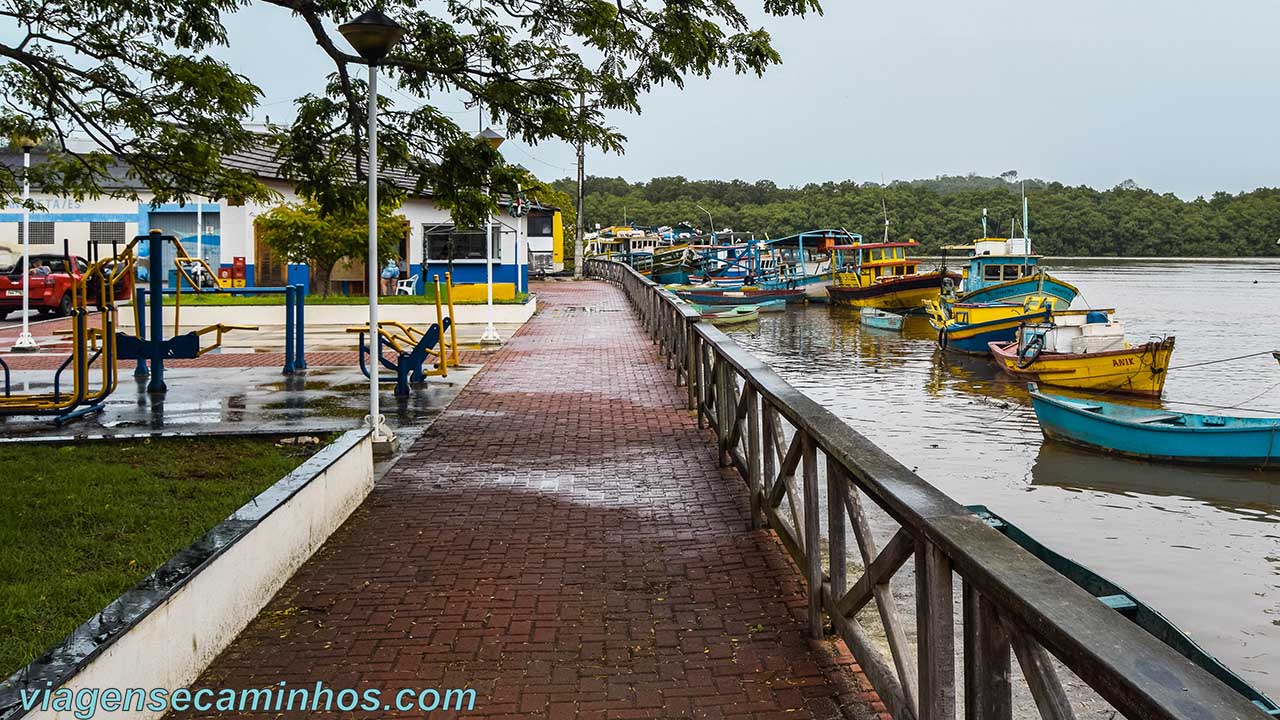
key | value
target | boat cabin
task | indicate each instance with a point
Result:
(993, 261)
(862, 264)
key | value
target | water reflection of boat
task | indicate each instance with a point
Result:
(970, 327)
(1131, 608)
(1086, 350)
(1158, 434)
(1234, 490)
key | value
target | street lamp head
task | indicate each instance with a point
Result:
(373, 34)
(492, 137)
(26, 141)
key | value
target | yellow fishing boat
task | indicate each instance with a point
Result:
(970, 327)
(1085, 350)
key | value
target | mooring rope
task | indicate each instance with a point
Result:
(1230, 359)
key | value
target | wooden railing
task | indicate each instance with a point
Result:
(1013, 605)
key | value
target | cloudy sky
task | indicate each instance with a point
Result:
(1180, 95)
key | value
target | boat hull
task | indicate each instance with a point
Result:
(1070, 421)
(734, 316)
(1138, 370)
(970, 329)
(1017, 291)
(740, 297)
(906, 293)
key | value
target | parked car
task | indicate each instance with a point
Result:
(50, 284)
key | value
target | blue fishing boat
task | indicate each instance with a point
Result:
(880, 319)
(1006, 270)
(1131, 608)
(1158, 434)
(969, 327)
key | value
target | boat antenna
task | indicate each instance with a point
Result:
(984, 222)
(1026, 234)
(885, 209)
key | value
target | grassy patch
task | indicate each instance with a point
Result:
(226, 298)
(80, 524)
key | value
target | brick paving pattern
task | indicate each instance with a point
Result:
(562, 541)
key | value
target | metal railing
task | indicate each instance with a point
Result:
(1013, 605)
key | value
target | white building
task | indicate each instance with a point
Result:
(225, 232)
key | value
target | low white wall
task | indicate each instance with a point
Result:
(171, 645)
(200, 316)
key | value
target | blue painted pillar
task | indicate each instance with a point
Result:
(289, 293)
(300, 328)
(140, 303)
(156, 275)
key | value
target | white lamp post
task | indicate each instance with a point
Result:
(26, 343)
(373, 34)
(490, 335)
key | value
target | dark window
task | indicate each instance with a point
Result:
(41, 233)
(445, 242)
(106, 233)
(541, 225)
(1011, 272)
(991, 272)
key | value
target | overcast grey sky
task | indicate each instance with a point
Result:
(1180, 95)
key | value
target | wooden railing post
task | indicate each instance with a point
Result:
(837, 487)
(755, 476)
(691, 370)
(812, 533)
(987, 690)
(768, 457)
(934, 630)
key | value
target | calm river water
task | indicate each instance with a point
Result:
(1200, 545)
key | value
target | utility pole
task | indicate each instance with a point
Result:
(577, 239)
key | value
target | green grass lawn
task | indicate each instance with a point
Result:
(80, 524)
(226, 298)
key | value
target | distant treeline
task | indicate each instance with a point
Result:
(1125, 220)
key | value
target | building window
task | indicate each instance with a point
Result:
(41, 233)
(107, 233)
(445, 242)
(541, 225)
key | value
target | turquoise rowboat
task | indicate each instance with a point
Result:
(880, 319)
(1130, 607)
(1157, 434)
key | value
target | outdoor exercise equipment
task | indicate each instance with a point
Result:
(89, 345)
(196, 274)
(411, 348)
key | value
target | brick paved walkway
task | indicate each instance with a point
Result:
(562, 542)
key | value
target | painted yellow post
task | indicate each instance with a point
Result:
(453, 328)
(444, 351)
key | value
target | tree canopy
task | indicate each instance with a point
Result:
(1125, 220)
(135, 79)
(299, 232)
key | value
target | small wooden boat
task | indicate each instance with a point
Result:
(772, 306)
(1131, 608)
(880, 319)
(970, 327)
(1158, 434)
(1085, 350)
(732, 316)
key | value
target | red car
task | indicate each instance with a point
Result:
(50, 284)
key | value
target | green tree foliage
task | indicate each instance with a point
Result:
(135, 78)
(1126, 220)
(301, 232)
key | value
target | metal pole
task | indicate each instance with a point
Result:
(375, 421)
(581, 229)
(490, 335)
(25, 342)
(155, 275)
(199, 231)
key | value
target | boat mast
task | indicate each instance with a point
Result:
(984, 222)
(1026, 234)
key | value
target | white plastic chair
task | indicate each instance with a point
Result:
(406, 287)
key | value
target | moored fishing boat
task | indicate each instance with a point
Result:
(971, 327)
(739, 296)
(882, 275)
(1006, 270)
(1158, 434)
(880, 319)
(1085, 350)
